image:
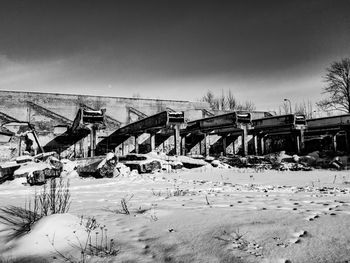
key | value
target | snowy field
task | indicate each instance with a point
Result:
(201, 215)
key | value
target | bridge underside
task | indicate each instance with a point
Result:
(331, 133)
(277, 133)
(155, 129)
(214, 134)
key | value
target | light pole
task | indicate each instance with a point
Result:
(290, 105)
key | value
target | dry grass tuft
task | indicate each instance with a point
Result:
(19, 220)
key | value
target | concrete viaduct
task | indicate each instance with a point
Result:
(177, 127)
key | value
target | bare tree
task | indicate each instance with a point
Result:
(222, 101)
(231, 101)
(247, 106)
(209, 97)
(305, 109)
(337, 87)
(227, 102)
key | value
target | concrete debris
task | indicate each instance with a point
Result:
(36, 169)
(121, 170)
(87, 167)
(170, 166)
(282, 162)
(188, 162)
(68, 166)
(28, 168)
(141, 162)
(215, 163)
(107, 166)
(101, 167)
(113, 166)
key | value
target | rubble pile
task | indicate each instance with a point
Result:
(283, 162)
(141, 162)
(36, 169)
(107, 167)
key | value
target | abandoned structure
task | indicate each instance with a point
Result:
(276, 133)
(82, 126)
(221, 129)
(330, 133)
(156, 129)
(55, 118)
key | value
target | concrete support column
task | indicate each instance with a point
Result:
(297, 141)
(201, 146)
(92, 142)
(347, 141)
(230, 144)
(153, 141)
(86, 146)
(183, 145)
(163, 146)
(123, 148)
(302, 140)
(81, 148)
(255, 143)
(20, 146)
(224, 145)
(334, 140)
(236, 144)
(262, 145)
(137, 146)
(177, 140)
(245, 140)
(206, 144)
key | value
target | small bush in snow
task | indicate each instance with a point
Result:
(19, 220)
(97, 243)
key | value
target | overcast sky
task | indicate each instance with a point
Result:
(264, 51)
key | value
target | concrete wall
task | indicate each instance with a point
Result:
(14, 104)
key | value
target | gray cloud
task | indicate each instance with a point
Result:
(259, 49)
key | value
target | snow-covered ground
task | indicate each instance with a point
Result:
(200, 215)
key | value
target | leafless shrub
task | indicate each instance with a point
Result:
(97, 243)
(124, 206)
(55, 200)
